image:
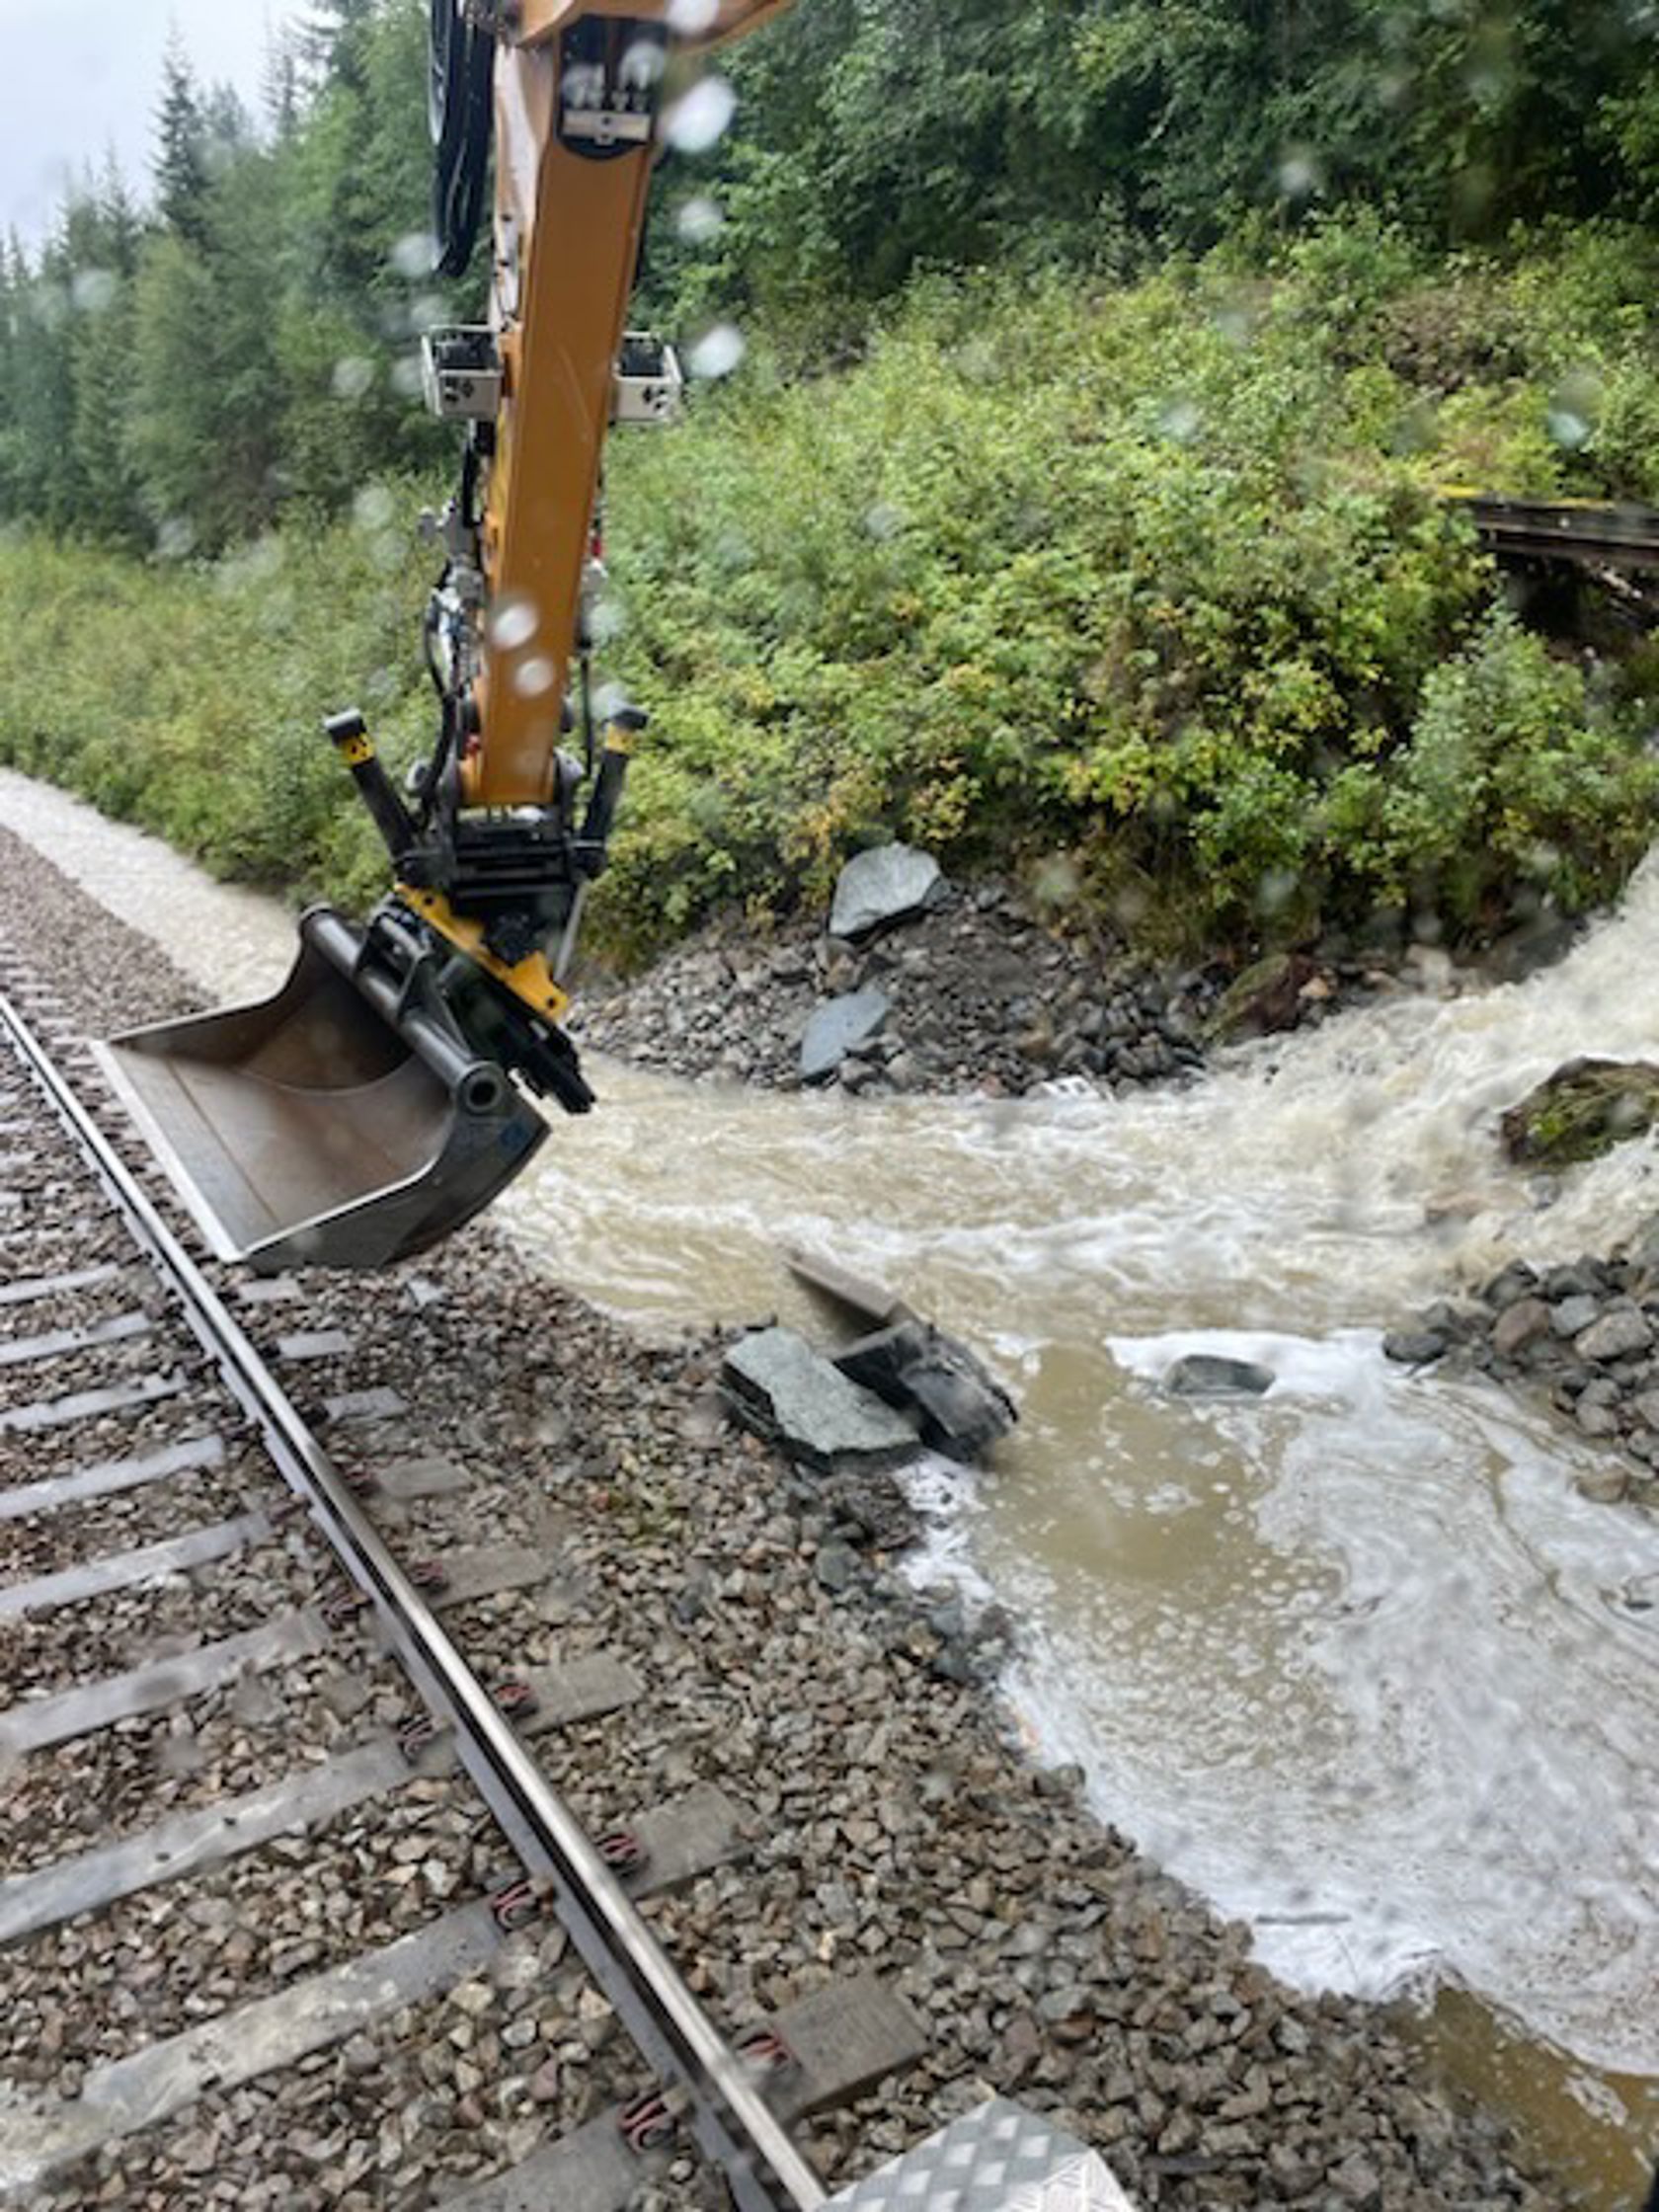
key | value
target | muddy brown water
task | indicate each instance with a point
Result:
(1355, 1659)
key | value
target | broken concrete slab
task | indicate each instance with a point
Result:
(880, 887)
(877, 1307)
(776, 1385)
(1206, 1374)
(962, 1407)
(838, 1027)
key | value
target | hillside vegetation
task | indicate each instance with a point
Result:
(1043, 524)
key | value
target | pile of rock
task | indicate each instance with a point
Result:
(1587, 1334)
(915, 986)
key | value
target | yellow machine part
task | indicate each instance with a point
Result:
(531, 979)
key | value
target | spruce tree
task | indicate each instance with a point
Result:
(181, 166)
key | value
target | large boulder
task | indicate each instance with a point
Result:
(1581, 1112)
(839, 1027)
(880, 887)
(776, 1385)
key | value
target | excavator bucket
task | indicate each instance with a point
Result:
(343, 1122)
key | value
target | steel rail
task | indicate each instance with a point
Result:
(730, 2121)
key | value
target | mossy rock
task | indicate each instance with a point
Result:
(1265, 997)
(1581, 1112)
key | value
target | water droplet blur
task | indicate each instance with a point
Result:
(533, 679)
(884, 520)
(512, 622)
(642, 65)
(406, 377)
(1179, 421)
(373, 507)
(692, 18)
(414, 254)
(610, 699)
(353, 377)
(608, 619)
(699, 219)
(175, 537)
(92, 290)
(1575, 408)
(718, 352)
(1298, 175)
(698, 119)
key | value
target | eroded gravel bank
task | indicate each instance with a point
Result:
(984, 999)
(894, 1821)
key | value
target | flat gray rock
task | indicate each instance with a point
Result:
(1206, 1374)
(885, 885)
(841, 1026)
(776, 1385)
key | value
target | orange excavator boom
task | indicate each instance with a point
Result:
(385, 1093)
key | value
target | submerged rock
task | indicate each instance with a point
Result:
(1581, 1112)
(839, 1027)
(1413, 1347)
(776, 1385)
(882, 886)
(1209, 1375)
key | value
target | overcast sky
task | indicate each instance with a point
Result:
(82, 75)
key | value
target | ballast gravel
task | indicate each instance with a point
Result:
(893, 1823)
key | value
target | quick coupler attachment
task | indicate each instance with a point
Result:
(349, 734)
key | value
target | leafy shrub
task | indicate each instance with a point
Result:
(1158, 577)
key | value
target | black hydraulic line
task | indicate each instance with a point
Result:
(728, 2117)
(460, 88)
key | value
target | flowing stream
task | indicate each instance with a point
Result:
(1355, 1659)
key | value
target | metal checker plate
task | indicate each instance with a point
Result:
(998, 2157)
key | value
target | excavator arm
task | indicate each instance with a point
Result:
(385, 1094)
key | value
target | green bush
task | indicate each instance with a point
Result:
(188, 698)
(1158, 578)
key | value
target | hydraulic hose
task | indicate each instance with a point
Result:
(459, 88)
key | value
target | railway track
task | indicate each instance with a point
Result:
(291, 1842)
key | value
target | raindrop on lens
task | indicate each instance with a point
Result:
(373, 507)
(415, 254)
(699, 220)
(698, 119)
(692, 18)
(1298, 176)
(1179, 421)
(534, 677)
(92, 289)
(642, 65)
(353, 377)
(718, 352)
(513, 623)
(1574, 408)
